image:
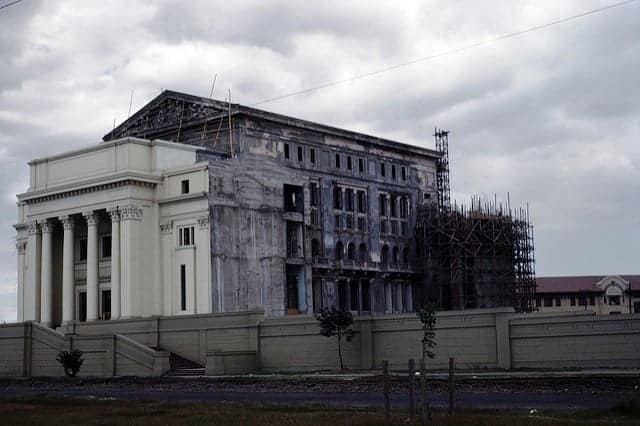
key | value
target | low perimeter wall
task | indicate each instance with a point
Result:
(244, 342)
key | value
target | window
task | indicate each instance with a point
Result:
(337, 163)
(186, 236)
(383, 170)
(82, 306)
(105, 299)
(362, 224)
(394, 206)
(315, 248)
(573, 301)
(404, 207)
(315, 194)
(404, 173)
(183, 287)
(300, 154)
(383, 226)
(106, 246)
(384, 258)
(286, 151)
(362, 202)
(636, 307)
(582, 300)
(363, 254)
(337, 198)
(312, 155)
(614, 300)
(351, 251)
(382, 204)
(338, 221)
(348, 221)
(360, 165)
(82, 249)
(348, 200)
(393, 172)
(343, 294)
(292, 292)
(339, 250)
(317, 295)
(184, 186)
(558, 301)
(366, 295)
(548, 301)
(353, 296)
(404, 228)
(349, 165)
(394, 227)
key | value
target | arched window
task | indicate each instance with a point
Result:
(339, 250)
(363, 254)
(315, 248)
(351, 251)
(396, 255)
(384, 258)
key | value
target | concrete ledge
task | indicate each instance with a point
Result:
(231, 362)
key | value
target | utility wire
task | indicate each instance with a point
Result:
(446, 53)
(10, 4)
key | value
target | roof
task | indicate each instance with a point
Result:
(219, 107)
(577, 284)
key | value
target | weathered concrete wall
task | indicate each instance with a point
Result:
(245, 341)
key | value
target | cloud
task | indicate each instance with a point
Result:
(550, 117)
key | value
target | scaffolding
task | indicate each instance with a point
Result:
(479, 255)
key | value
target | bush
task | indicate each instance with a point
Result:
(336, 322)
(71, 361)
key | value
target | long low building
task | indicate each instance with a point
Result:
(604, 295)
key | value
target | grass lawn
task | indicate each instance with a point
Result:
(61, 411)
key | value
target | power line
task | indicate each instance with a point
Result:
(10, 4)
(445, 53)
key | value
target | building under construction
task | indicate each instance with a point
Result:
(475, 256)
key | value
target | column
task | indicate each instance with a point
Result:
(92, 266)
(21, 246)
(46, 280)
(32, 282)
(131, 265)
(388, 297)
(68, 270)
(115, 263)
(409, 297)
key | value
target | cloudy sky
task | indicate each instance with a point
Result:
(552, 116)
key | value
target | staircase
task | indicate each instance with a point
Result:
(181, 367)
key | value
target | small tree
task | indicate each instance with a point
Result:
(427, 316)
(336, 322)
(71, 361)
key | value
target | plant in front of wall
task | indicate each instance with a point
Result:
(336, 322)
(71, 361)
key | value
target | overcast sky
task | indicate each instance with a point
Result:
(552, 116)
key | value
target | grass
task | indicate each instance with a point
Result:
(63, 411)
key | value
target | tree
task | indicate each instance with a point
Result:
(336, 322)
(71, 361)
(427, 316)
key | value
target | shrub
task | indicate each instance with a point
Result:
(336, 322)
(71, 361)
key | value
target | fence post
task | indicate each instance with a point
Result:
(423, 391)
(452, 385)
(385, 381)
(412, 373)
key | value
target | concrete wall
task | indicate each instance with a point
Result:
(240, 342)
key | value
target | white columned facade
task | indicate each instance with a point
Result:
(32, 283)
(46, 295)
(115, 263)
(68, 270)
(92, 266)
(130, 232)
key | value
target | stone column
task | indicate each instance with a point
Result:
(46, 280)
(32, 283)
(115, 263)
(130, 217)
(21, 245)
(388, 297)
(92, 266)
(68, 270)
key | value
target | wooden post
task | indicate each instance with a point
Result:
(452, 385)
(412, 381)
(385, 381)
(423, 392)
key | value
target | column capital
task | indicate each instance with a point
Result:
(131, 212)
(33, 227)
(92, 218)
(67, 222)
(114, 213)
(166, 228)
(203, 222)
(46, 227)
(20, 246)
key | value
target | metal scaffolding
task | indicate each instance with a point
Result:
(475, 256)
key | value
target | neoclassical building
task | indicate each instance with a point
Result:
(196, 206)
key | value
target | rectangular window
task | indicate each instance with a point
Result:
(362, 224)
(362, 202)
(338, 221)
(349, 165)
(106, 305)
(82, 306)
(315, 194)
(292, 292)
(394, 227)
(404, 173)
(394, 206)
(382, 204)
(614, 300)
(548, 301)
(186, 236)
(183, 287)
(360, 165)
(383, 170)
(348, 221)
(636, 307)
(184, 186)
(353, 296)
(106, 246)
(337, 163)
(393, 171)
(300, 154)
(312, 155)
(286, 151)
(383, 226)
(82, 249)
(404, 228)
